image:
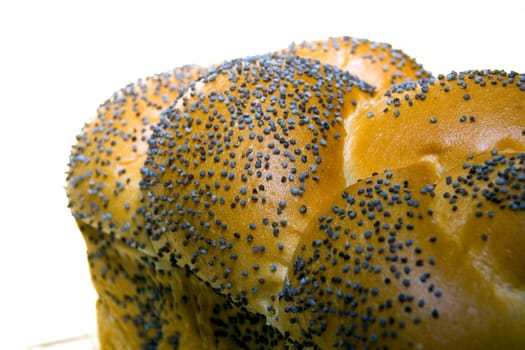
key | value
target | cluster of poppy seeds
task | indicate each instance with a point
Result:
(417, 90)
(353, 271)
(488, 183)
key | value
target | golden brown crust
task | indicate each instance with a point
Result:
(441, 119)
(376, 63)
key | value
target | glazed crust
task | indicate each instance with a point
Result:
(442, 119)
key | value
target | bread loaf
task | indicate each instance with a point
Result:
(348, 199)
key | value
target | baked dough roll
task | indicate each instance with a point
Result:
(236, 167)
(379, 64)
(105, 163)
(442, 119)
(415, 258)
(144, 299)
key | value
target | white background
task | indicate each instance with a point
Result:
(60, 59)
